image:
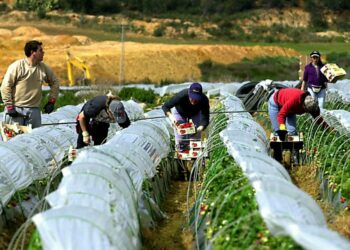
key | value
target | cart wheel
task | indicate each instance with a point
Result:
(286, 158)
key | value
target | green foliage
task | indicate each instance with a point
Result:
(35, 242)
(39, 6)
(92, 6)
(336, 5)
(141, 95)
(275, 68)
(229, 204)
(67, 97)
(342, 59)
(160, 31)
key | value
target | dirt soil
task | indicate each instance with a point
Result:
(172, 233)
(305, 178)
(142, 62)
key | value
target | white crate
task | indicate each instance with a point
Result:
(8, 131)
(198, 144)
(187, 128)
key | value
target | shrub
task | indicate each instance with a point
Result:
(276, 68)
(141, 95)
(160, 31)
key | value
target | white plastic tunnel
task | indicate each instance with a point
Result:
(105, 180)
(286, 209)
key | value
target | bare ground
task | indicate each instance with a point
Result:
(305, 178)
(142, 61)
(172, 233)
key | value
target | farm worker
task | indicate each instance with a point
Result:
(189, 103)
(314, 80)
(21, 87)
(95, 117)
(285, 104)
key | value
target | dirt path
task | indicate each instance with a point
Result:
(172, 233)
(305, 178)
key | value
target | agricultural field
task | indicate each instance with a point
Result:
(133, 192)
(235, 201)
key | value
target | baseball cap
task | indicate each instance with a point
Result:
(315, 53)
(118, 111)
(311, 104)
(195, 92)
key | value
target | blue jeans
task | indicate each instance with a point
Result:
(320, 96)
(291, 120)
(183, 141)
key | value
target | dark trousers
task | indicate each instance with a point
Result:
(97, 130)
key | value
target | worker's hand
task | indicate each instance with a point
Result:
(50, 105)
(11, 111)
(173, 120)
(282, 127)
(86, 137)
(200, 129)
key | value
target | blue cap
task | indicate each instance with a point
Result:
(195, 92)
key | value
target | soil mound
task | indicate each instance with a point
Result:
(139, 63)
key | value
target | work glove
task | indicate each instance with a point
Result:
(200, 129)
(282, 127)
(50, 105)
(11, 111)
(86, 137)
(173, 120)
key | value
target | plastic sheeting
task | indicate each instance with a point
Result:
(29, 157)
(342, 116)
(107, 179)
(339, 89)
(286, 209)
(78, 227)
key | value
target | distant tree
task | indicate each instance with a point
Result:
(154, 6)
(238, 5)
(336, 5)
(39, 6)
(279, 3)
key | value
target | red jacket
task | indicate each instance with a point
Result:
(290, 101)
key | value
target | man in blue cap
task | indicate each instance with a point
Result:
(188, 104)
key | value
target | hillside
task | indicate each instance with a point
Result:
(143, 62)
(167, 48)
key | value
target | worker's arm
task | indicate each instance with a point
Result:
(8, 84)
(53, 82)
(167, 106)
(305, 79)
(172, 118)
(83, 125)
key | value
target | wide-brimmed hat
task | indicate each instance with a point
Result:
(195, 91)
(118, 111)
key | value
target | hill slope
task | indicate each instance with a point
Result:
(142, 62)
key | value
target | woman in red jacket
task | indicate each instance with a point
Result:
(285, 104)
